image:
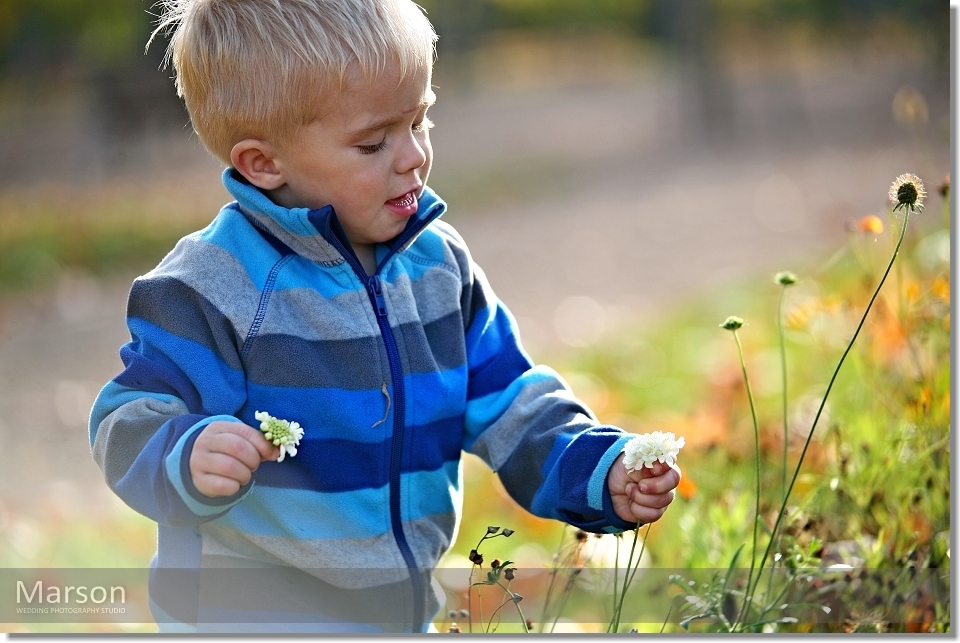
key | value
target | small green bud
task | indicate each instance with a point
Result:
(732, 323)
(785, 278)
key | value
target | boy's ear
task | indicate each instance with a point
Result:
(256, 160)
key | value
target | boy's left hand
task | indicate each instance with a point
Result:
(642, 496)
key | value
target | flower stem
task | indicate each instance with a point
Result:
(756, 441)
(833, 378)
(783, 380)
(628, 577)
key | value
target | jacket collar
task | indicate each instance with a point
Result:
(317, 234)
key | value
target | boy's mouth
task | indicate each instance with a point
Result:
(405, 205)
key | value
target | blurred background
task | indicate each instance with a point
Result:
(605, 160)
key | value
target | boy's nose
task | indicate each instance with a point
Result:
(413, 156)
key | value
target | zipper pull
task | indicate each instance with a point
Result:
(376, 290)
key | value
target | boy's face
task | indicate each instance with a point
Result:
(368, 156)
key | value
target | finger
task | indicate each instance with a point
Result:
(214, 486)
(659, 501)
(646, 515)
(264, 449)
(654, 470)
(237, 447)
(225, 466)
(662, 483)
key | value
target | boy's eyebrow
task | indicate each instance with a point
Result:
(428, 101)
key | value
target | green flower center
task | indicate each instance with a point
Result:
(907, 194)
(277, 430)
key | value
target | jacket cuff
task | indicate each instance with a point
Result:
(586, 503)
(177, 467)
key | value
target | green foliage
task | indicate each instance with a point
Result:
(865, 535)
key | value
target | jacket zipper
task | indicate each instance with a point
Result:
(375, 291)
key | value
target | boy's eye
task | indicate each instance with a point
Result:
(372, 149)
(423, 125)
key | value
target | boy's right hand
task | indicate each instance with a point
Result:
(225, 455)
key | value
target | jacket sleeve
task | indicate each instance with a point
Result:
(181, 372)
(547, 447)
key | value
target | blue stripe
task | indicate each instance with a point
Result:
(495, 356)
(362, 513)
(328, 412)
(599, 477)
(432, 492)
(544, 502)
(336, 465)
(270, 511)
(484, 411)
(179, 362)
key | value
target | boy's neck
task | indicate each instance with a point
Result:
(367, 254)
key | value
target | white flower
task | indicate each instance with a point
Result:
(643, 450)
(281, 433)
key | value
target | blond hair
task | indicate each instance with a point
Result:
(262, 68)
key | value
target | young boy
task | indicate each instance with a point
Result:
(330, 294)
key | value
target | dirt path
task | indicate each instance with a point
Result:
(633, 217)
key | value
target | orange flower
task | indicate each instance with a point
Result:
(941, 288)
(687, 487)
(870, 223)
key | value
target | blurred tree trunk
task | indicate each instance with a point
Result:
(687, 29)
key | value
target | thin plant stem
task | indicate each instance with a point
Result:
(628, 576)
(616, 584)
(783, 380)
(553, 579)
(470, 602)
(823, 402)
(756, 442)
(513, 599)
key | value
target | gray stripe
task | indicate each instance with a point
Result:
(539, 413)
(307, 314)
(434, 295)
(215, 272)
(351, 563)
(125, 432)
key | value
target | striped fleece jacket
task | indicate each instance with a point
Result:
(392, 376)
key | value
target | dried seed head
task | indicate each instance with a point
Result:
(464, 613)
(507, 532)
(454, 629)
(495, 563)
(732, 323)
(907, 192)
(492, 530)
(508, 572)
(581, 535)
(476, 557)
